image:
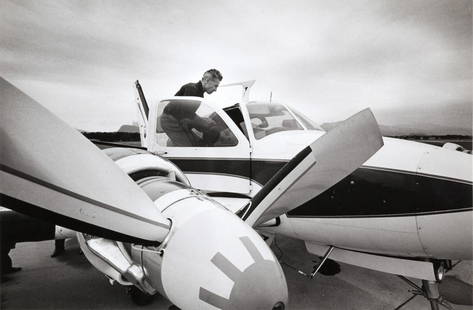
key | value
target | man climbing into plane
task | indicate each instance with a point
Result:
(208, 84)
(179, 118)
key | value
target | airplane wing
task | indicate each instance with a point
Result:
(318, 167)
(49, 170)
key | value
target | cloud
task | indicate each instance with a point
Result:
(329, 59)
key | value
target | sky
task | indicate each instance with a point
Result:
(409, 61)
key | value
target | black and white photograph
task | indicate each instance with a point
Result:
(280, 155)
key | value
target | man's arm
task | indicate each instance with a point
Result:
(181, 92)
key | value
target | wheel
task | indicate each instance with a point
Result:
(138, 297)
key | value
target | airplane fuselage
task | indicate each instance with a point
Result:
(410, 199)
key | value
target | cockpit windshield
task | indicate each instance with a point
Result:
(306, 122)
(269, 118)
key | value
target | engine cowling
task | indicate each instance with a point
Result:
(211, 258)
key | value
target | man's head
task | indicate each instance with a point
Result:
(211, 80)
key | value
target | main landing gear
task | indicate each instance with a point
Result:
(430, 289)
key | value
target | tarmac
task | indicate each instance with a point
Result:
(70, 282)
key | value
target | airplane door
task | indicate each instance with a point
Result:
(207, 145)
(143, 112)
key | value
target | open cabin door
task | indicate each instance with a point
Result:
(207, 145)
(143, 113)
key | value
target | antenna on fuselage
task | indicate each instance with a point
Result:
(246, 85)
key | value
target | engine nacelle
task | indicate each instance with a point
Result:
(210, 258)
(213, 259)
(139, 164)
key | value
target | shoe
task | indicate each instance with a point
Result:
(57, 252)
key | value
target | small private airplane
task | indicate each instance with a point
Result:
(187, 230)
(407, 210)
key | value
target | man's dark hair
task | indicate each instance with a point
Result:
(213, 74)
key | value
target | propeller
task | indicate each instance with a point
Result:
(316, 168)
(50, 170)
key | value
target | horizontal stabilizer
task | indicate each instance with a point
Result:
(318, 167)
(49, 170)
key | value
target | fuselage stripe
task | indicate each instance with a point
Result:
(391, 192)
(379, 215)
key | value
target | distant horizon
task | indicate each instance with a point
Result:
(385, 130)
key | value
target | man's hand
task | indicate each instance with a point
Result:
(201, 124)
(185, 123)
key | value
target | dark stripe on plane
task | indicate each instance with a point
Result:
(276, 179)
(38, 212)
(262, 170)
(381, 193)
(226, 195)
(381, 215)
(426, 175)
(367, 192)
(69, 193)
(115, 144)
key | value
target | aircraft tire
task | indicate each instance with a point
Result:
(138, 297)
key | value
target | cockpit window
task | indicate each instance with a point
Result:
(307, 122)
(269, 118)
(191, 123)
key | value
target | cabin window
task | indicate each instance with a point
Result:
(267, 119)
(191, 123)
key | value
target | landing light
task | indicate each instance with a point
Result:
(440, 272)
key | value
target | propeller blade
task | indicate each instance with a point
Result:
(49, 170)
(318, 167)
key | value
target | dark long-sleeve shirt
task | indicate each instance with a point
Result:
(182, 110)
(191, 89)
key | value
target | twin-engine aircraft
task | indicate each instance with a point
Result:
(189, 232)
(407, 210)
(144, 225)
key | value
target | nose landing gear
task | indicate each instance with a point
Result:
(139, 297)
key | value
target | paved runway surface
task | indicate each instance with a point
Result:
(70, 282)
